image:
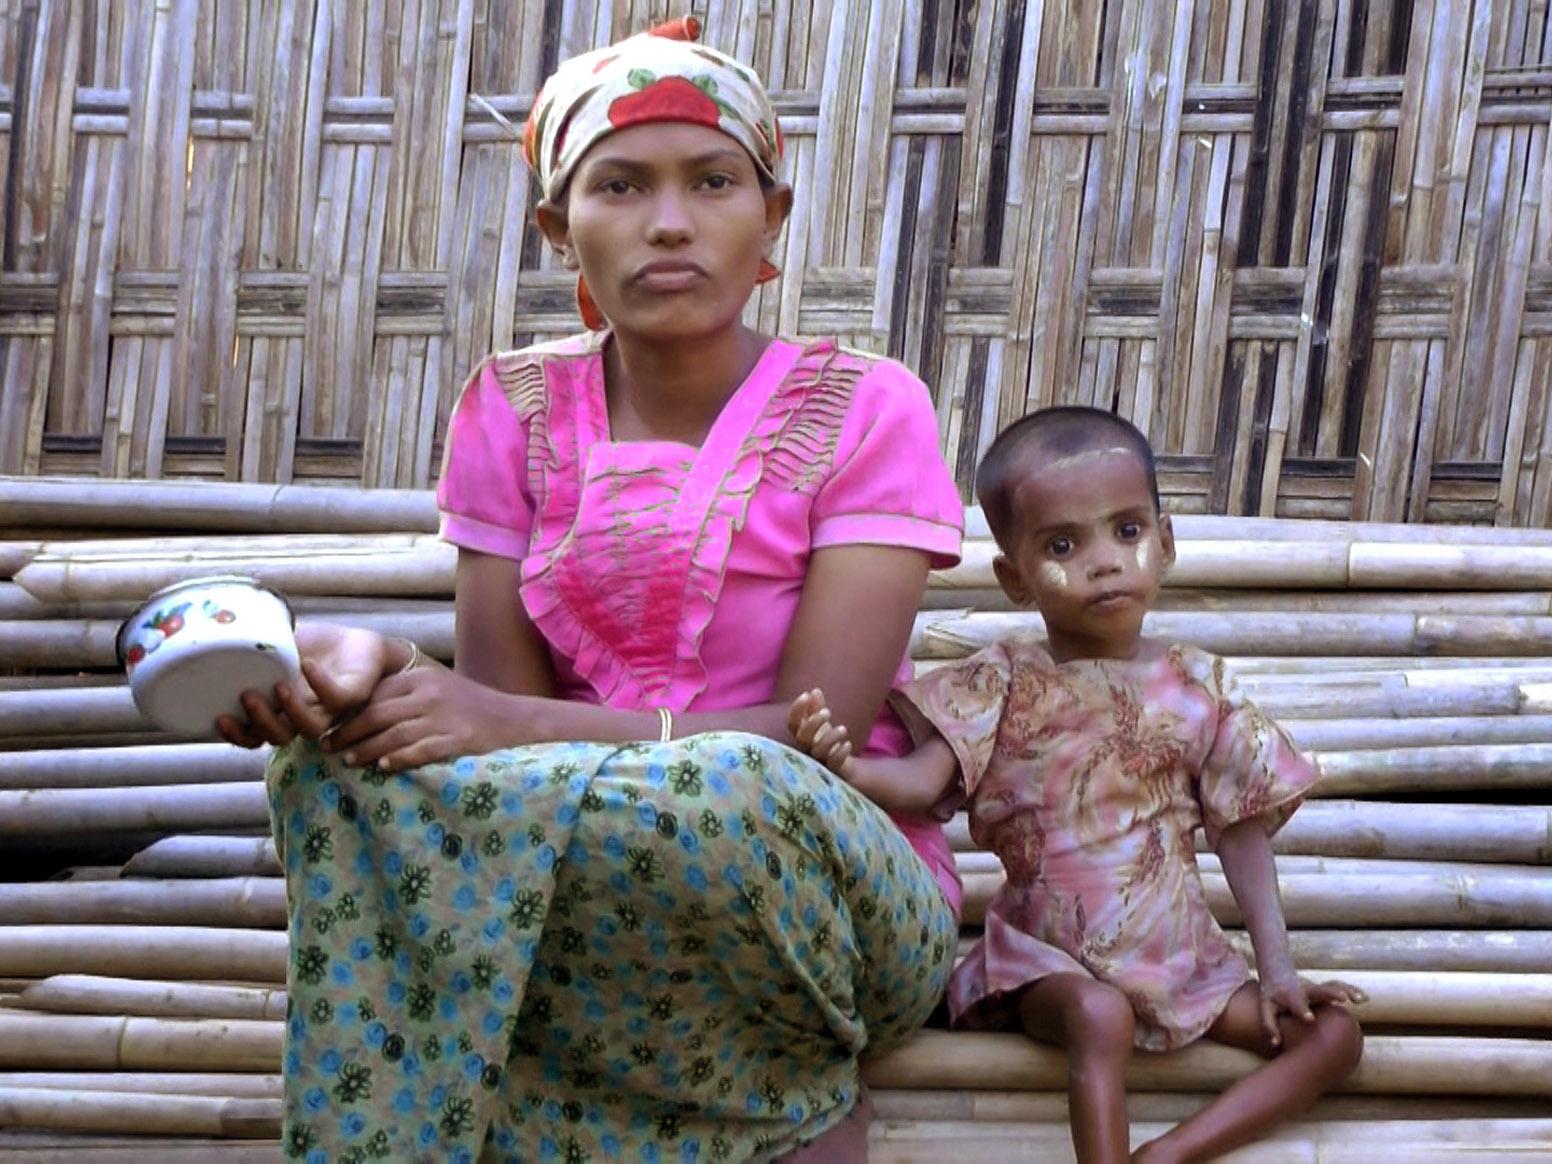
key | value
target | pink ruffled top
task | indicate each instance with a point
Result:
(664, 575)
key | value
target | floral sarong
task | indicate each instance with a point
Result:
(592, 952)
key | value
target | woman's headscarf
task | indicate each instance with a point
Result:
(656, 76)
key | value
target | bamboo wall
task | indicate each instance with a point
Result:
(1308, 246)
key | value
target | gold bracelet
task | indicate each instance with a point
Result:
(414, 659)
(666, 719)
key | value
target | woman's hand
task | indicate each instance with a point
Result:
(423, 716)
(1284, 992)
(341, 666)
(812, 725)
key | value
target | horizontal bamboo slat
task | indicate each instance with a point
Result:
(91, 994)
(170, 953)
(1392, 1065)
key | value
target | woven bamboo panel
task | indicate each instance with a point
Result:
(1307, 246)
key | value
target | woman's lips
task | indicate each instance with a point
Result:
(670, 276)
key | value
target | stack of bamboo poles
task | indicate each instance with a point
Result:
(142, 986)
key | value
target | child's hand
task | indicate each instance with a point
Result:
(1289, 994)
(810, 723)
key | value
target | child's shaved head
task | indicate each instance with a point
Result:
(1042, 436)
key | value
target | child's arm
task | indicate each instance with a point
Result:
(910, 784)
(1246, 853)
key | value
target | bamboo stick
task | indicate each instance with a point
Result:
(96, 1043)
(953, 635)
(222, 507)
(1337, 735)
(1513, 834)
(1052, 1106)
(169, 808)
(1458, 895)
(922, 1141)
(145, 764)
(418, 565)
(235, 902)
(91, 994)
(235, 1084)
(142, 1114)
(82, 643)
(75, 1148)
(1392, 1065)
(1459, 768)
(174, 953)
(198, 856)
(1508, 951)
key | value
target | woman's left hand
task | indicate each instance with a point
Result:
(424, 716)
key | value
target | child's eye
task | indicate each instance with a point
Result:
(1059, 547)
(1130, 531)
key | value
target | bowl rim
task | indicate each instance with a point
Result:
(189, 583)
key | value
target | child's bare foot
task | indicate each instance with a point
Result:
(811, 726)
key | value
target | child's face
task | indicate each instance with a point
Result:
(1091, 551)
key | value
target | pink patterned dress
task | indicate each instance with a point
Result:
(1088, 779)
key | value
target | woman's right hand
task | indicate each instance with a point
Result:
(341, 667)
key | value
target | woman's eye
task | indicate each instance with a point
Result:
(718, 181)
(615, 186)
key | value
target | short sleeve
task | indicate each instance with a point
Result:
(483, 493)
(890, 485)
(964, 704)
(1253, 770)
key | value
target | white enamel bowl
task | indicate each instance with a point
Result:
(196, 646)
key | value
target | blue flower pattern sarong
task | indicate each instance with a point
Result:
(656, 952)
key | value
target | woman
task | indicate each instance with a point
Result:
(506, 941)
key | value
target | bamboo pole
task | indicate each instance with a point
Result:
(235, 902)
(221, 507)
(235, 1084)
(1513, 834)
(16, 554)
(1346, 734)
(92, 994)
(984, 1105)
(418, 565)
(1392, 1065)
(1448, 895)
(200, 856)
(145, 764)
(141, 1114)
(169, 808)
(1507, 951)
(955, 634)
(97, 1043)
(84, 643)
(926, 1141)
(174, 953)
(75, 1148)
(1463, 767)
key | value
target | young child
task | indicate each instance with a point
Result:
(1088, 762)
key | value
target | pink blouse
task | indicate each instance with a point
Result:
(664, 575)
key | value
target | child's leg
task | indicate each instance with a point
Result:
(1093, 1022)
(1314, 1057)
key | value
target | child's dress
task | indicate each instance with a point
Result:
(1088, 779)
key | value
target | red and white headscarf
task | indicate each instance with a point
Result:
(657, 76)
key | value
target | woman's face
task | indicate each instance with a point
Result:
(668, 224)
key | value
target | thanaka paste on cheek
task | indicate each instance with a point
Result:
(1054, 576)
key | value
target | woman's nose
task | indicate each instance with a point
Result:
(670, 222)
